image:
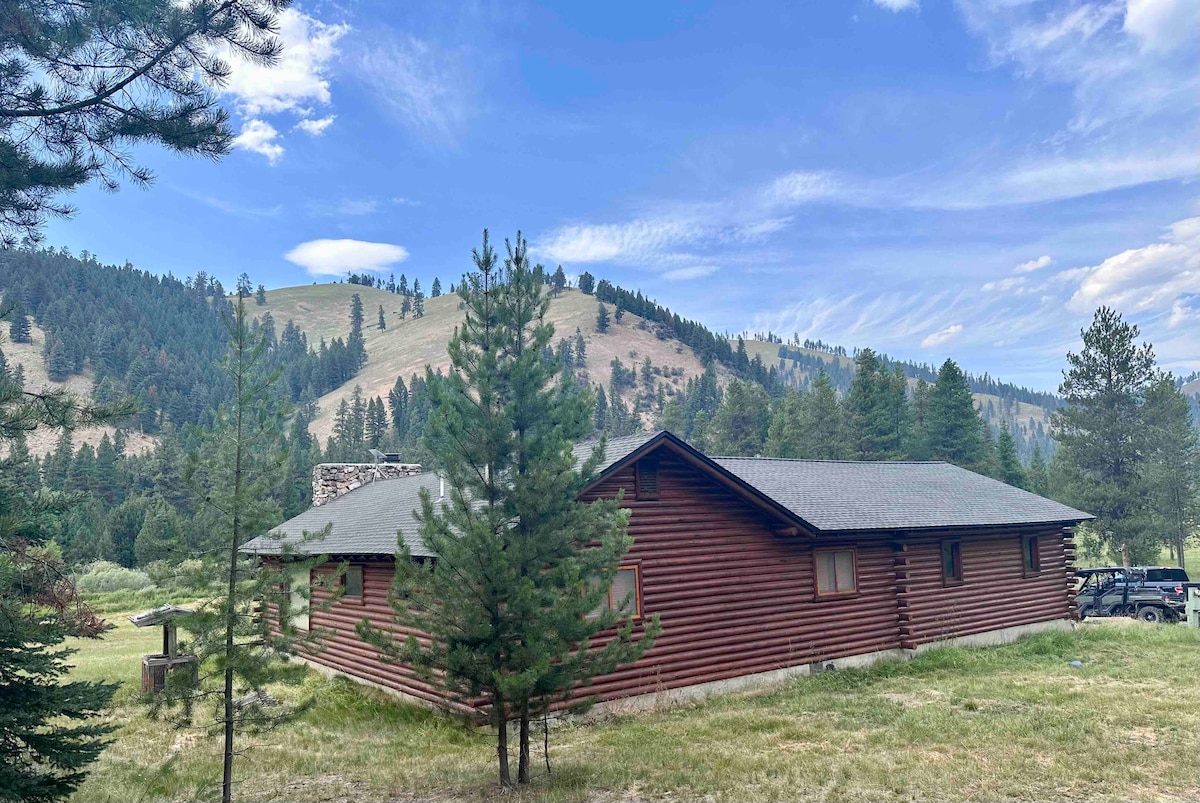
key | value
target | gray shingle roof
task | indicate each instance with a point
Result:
(366, 521)
(835, 496)
(363, 522)
(830, 496)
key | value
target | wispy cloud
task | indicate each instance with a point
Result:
(941, 336)
(428, 88)
(695, 272)
(338, 257)
(259, 136)
(314, 127)
(898, 5)
(1033, 265)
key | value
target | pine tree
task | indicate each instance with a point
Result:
(355, 343)
(377, 422)
(953, 427)
(1039, 477)
(1009, 464)
(87, 82)
(1102, 436)
(398, 407)
(405, 307)
(19, 328)
(1172, 464)
(822, 423)
(243, 287)
(435, 290)
(49, 729)
(619, 314)
(558, 281)
(161, 536)
(418, 303)
(878, 410)
(235, 471)
(402, 286)
(260, 296)
(382, 319)
(783, 435)
(918, 447)
(602, 319)
(587, 283)
(600, 419)
(521, 563)
(740, 426)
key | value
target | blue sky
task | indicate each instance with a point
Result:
(966, 179)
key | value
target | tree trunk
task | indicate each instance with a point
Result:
(230, 609)
(523, 755)
(501, 716)
(1179, 549)
(1126, 561)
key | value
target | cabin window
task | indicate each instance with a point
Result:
(352, 583)
(951, 562)
(1031, 557)
(837, 572)
(647, 479)
(624, 595)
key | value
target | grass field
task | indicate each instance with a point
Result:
(1006, 723)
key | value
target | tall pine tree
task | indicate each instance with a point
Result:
(521, 563)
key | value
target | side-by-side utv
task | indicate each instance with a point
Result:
(1118, 591)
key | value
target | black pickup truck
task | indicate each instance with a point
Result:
(1149, 593)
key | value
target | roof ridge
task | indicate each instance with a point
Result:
(848, 462)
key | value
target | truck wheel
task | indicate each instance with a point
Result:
(1151, 614)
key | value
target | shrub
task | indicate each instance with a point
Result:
(104, 576)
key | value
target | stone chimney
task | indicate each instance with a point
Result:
(331, 480)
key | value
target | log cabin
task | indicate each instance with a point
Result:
(758, 568)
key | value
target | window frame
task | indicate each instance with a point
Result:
(955, 546)
(639, 492)
(356, 599)
(1031, 561)
(636, 615)
(818, 594)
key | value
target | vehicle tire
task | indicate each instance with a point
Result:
(1152, 614)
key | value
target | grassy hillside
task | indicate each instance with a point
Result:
(407, 346)
(42, 441)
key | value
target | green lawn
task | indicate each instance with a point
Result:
(1005, 723)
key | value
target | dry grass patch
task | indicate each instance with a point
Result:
(1005, 723)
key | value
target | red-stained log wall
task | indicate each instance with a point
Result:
(736, 597)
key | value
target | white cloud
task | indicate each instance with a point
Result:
(635, 241)
(428, 89)
(299, 79)
(761, 228)
(1003, 285)
(695, 272)
(260, 137)
(942, 336)
(801, 187)
(1033, 264)
(1151, 278)
(897, 5)
(1162, 25)
(337, 257)
(315, 127)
